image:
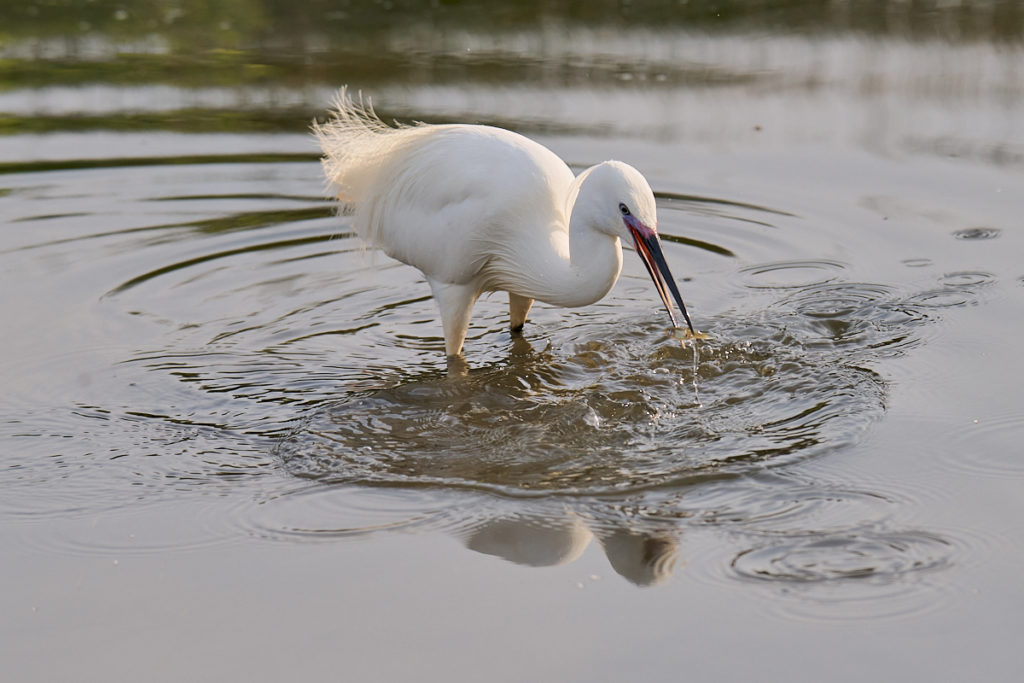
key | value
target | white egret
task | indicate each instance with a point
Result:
(479, 209)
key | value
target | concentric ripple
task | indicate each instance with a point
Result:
(988, 446)
(790, 274)
(867, 573)
(959, 288)
(319, 512)
(853, 314)
(775, 506)
(977, 233)
(860, 555)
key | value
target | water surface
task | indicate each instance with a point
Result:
(227, 427)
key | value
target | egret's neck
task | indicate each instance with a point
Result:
(574, 268)
(595, 259)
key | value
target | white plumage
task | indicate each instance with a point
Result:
(479, 209)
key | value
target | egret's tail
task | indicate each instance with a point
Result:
(356, 144)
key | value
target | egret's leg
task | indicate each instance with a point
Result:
(518, 307)
(456, 304)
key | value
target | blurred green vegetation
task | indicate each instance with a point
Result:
(285, 26)
(228, 42)
(244, 43)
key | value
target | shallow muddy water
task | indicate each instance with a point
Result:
(230, 446)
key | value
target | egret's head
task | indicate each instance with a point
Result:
(622, 204)
(608, 187)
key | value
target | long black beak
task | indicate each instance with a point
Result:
(648, 246)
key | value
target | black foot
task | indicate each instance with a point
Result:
(517, 329)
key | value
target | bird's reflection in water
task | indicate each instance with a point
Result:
(645, 559)
(495, 471)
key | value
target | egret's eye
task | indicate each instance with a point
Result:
(624, 209)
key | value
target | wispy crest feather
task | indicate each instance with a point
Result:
(355, 142)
